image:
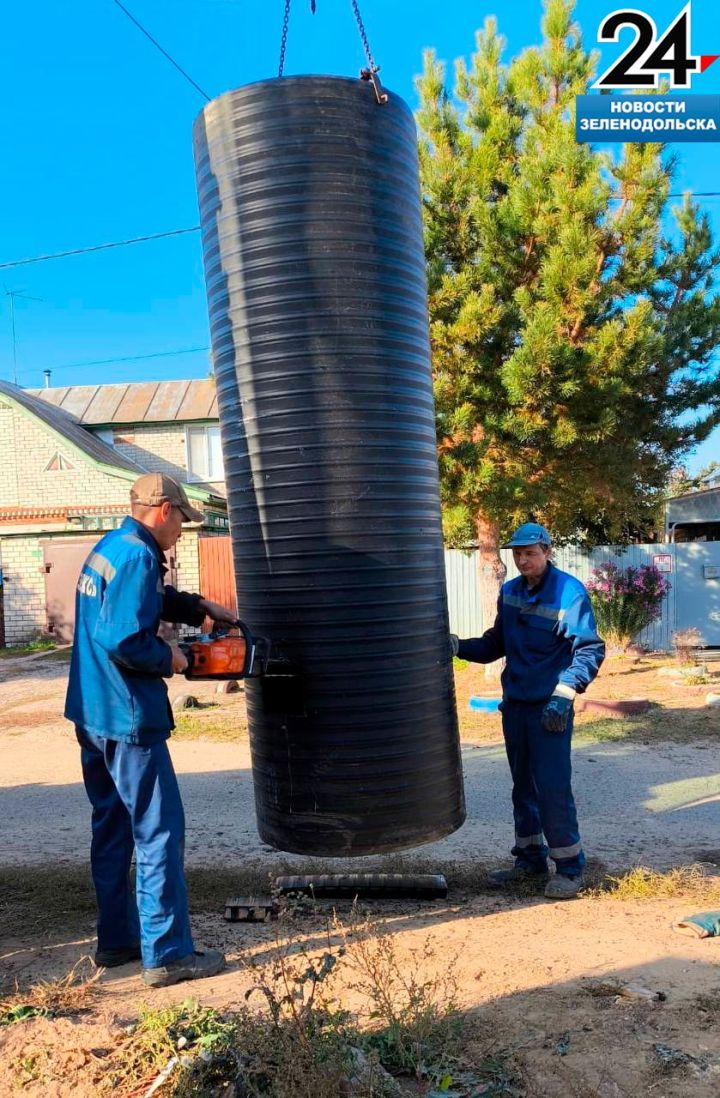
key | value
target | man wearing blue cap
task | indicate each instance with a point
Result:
(546, 631)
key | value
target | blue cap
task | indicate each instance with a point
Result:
(530, 533)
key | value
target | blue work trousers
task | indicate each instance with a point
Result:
(136, 806)
(543, 802)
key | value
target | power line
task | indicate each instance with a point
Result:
(164, 52)
(97, 247)
(129, 358)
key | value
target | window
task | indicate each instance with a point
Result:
(106, 435)
(204, 453)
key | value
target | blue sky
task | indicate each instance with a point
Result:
(96, 134)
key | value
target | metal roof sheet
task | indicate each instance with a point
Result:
(200, 401)
(75, 400)
(167, 400)
(141, 402)
(103, 404)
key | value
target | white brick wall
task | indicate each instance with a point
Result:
(160, 449)
(26, 448)
(9, 480)
(187, 562)
(24, 588)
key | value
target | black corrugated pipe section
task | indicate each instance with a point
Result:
(312, 238)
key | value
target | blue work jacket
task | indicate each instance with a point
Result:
(547, 635)
(116, 686)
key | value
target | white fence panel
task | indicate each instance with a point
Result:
(463, 587)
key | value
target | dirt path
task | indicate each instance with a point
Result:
(652, 804)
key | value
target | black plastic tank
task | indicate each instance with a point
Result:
(312, 238)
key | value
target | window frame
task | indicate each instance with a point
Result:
(210, 475)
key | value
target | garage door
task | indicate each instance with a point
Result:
(63, 559)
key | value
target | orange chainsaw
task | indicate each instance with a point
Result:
(223, 654)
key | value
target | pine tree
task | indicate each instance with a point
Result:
(572, 337)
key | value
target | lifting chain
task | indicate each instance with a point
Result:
(370, 73)
(284, 37)
(363, 37)
(283, 40)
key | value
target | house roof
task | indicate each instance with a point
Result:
(140, 402)
(702, 506)
(71, 434)
(70, 431)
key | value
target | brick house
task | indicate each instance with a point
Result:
(69, 457)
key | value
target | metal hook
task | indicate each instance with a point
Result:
(371, 75)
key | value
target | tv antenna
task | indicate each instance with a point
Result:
(12, 294)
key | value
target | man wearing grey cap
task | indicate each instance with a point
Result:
(546, 631)
(118, 702)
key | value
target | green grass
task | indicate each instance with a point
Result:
(12, 652)
(211, 721)
(58, 655)
(661, 724)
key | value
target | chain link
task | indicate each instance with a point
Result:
(361, 27)
(363, 35)
(283, 40)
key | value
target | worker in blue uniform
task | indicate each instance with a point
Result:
(546, 631)
(118, 701)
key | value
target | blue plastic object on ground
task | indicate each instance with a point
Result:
(488, 705)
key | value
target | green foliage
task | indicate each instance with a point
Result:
(415, 1027)
(20, 1012)
(294, 1039)
(161, 1036)
(572, 334)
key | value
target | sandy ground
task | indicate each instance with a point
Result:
(525, 967)
(526, 970)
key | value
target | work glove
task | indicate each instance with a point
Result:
(556, 712)
(454, 644)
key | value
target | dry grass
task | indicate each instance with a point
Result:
(70, 995)
(301, 1037)
(687, 882)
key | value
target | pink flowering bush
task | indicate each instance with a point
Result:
(626, 600)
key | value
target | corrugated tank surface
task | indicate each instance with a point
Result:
(312, 238)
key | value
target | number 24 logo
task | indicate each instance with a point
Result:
(647, 57)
